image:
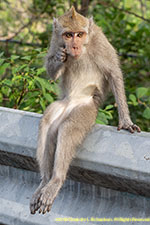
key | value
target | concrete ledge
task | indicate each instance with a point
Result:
(112, 159)
(75, 199)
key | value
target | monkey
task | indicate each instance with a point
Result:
(87, 65)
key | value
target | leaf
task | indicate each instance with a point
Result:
(41, 70)
(109, 107)
(55, 88)
(1, 54)
(41, 55)
(102, 117)
(3, 68)
(100, 122)
(48, 97)
(6, 90)
(41, 82)
(13, 57)
(1, 97)
(140, 92)
(38, 49)
(44, 83)
(146, 113)
(7, 82)
(26, 57)
(32, 94)
(42, 103)
(133, 99)
(108, 115)
(1, 61)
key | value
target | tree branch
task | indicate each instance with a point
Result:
(122, 9)
(20, 42)
(20, 29)
(134, 14)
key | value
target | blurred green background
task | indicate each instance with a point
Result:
(25, 32)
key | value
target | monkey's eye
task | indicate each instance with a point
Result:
(68, 35)
(80, 34)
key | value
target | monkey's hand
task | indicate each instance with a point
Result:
(128, 126)
(61, 55)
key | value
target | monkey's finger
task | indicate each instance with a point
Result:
(63, 58)
(64, 49)
(130, 129)
(136, 128)
(119, 127)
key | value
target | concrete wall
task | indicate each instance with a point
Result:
(108, 158)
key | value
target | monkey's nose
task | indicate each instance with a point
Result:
(74, 47)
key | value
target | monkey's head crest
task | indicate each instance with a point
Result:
(73, 20)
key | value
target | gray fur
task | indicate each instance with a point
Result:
(84, 84)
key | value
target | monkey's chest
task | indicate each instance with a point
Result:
(82, 84)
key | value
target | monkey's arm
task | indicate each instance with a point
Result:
(55, 62)
(117, 86)
(108, 64)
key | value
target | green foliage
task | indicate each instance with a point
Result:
(24, 89)
(140, 106)
(104, 115)
(129, 35)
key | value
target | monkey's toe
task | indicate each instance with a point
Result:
(45, 203)
(32, 208)
(134, 128)
(45, 208)
(34, 204)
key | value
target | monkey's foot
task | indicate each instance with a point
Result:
(132, 128)
(47, 197)
(34, 203)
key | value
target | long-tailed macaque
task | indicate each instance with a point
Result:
(87, 65)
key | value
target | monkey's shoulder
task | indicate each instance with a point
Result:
(100, 43)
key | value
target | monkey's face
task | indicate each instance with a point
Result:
(74, 42)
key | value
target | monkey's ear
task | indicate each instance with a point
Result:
(91, 21)
(55, 24)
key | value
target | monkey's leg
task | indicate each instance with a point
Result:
(46, 149)
(70, 135)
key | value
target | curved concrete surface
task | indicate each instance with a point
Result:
(76, 200)
(107, 158)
